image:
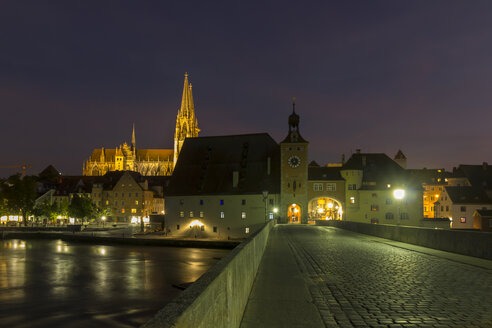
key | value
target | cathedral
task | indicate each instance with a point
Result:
(147, 162)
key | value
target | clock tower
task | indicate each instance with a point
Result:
(293, 174)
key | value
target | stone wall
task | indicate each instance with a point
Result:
(219, 297)
(465, 242)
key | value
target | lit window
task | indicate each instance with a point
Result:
(201, 201)
(181, 214)
(222, 215)
(221, 202)
(136, 202)
(107, 202)
(134, 210)
(374, 207)
(270, 216)
(352, 200)
(463, 220)
(331, 187)
(122, 210)
(191, 214)
(247, 230)
(243, 215)
(201, 214)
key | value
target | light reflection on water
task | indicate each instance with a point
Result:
(44, 283)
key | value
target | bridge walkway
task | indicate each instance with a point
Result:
(313, 276)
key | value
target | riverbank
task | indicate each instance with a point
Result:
(127, 239)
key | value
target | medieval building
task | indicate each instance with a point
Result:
(148, 162)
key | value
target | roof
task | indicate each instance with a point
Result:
(378, 171)
(324, 173)
(207, 165)
(141, 154)
(467, 195)
(485, 213)
(430, 176)
(399, 155)
(478, 175)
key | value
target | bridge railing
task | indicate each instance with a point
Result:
(219, 297)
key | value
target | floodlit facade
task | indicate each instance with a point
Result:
(148, 162)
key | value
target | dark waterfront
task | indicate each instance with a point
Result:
(51, 283)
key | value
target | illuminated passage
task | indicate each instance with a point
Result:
(52, 283)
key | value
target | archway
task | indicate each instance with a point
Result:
(325, 208)
(294, 214)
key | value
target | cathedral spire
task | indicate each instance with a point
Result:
(133, 138)
(186, 122)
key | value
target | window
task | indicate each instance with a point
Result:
(271, 199)
(191, 214)
(389, 201)
(404, 216)
(374, 207)
(99, 203)
(463, 220)
(222, 215)
(318, 187)
(122, 203)
(107, 202)
(134, 210)
(129, 194)
(115, 203)
(181, 201)
(177, 227)
(201, 201)
(447, 207)
(122, 210)
(107, 194)
(202, 228)
(389, 216)
(201, 214)
(136, 202)
(221, 202)
(331, 187)
(352, 200)
(136, 194)
(425, 208)
(243, 202)
(374, 195)
(246, 230)
(215, 228)
(122, 194)
(243, 215)
(432, 198)
(463, 208)
(270, 216)
(352, 187)
(442, 208)
(115, 194)
(181, 214)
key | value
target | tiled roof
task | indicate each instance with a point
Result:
(206, 165)
(485, 213)
(324, 173)
(467, 195)
(478, 175)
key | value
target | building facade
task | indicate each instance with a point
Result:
(148, 162)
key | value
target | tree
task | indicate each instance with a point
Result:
(20, 194)
(81, 207)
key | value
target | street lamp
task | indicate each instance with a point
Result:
(103, 218)
(275, 210)
(265, 196)
(399, 194)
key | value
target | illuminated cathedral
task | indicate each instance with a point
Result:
(147, 161)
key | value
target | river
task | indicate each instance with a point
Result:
(52, 283)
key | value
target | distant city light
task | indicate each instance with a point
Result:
(196, 223)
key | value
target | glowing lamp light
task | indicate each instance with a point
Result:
(320, 210)
(134, 220)
(103, 218)
(196, 223)
(72, 221)
(3, 218)
(275, 210)
(146, 220)
(330, 205)
(399, 193)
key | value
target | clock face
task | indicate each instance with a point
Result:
(294, 161)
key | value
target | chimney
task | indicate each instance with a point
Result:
(357, 151)
(235, 179)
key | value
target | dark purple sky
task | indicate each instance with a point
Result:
(375, 75)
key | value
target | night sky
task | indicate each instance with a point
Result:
(374, 75)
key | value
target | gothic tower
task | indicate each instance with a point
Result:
(293, 174)
(186, 122)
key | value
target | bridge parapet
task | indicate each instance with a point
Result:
(465, 242)
(219, 297)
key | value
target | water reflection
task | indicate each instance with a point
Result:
(44, 283)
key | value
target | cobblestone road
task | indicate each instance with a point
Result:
(358, 281)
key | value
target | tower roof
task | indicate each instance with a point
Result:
(399, 155)
(294, 135)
